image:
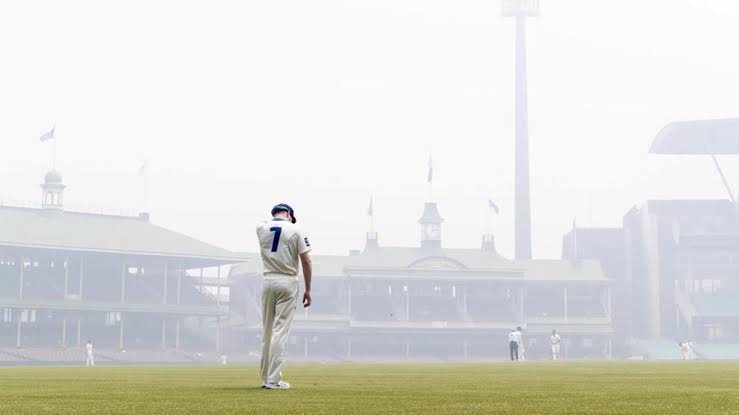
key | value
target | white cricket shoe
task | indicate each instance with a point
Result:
(278, 385)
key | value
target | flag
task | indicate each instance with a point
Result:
(575, 254)
(370, 210)
(431, 171)
(49, 135)
(144, 166)
(493, 206)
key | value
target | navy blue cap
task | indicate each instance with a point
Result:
(284, 207)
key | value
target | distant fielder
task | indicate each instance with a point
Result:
(555, 342)
(513, 344)
(90, 356)
(687, 350)
(521, 349)
(281, 244)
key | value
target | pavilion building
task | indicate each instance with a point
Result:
(430, 302)
(120, 281)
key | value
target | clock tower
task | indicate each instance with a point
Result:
(431, 222)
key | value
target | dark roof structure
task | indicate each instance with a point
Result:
(706, 137)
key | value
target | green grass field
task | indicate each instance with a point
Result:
(502, 388)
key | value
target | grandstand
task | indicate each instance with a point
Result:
(435, 303)
(133, 288)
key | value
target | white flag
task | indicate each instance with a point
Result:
(143, 168)
(49, 135)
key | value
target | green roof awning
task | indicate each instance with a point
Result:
(73, 231)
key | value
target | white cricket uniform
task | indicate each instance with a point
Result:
(519, 337)
(555, 341)
(687, 349)
(90, 357)
(281, 243)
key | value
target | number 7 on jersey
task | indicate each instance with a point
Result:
(276, 241)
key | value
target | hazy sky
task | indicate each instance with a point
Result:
(242, 104)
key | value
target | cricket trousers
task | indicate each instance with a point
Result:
(513, 346)
(279, 299)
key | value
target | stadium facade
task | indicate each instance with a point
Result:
(678, 262)
(120, 281)
(432, 302)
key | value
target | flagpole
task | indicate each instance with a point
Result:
(430, 179)
(371, 212)
(53, 154)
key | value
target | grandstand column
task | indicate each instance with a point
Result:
(349, 348)
(20, 281)
(218, 303)
(201, 279)
(407, 304)
(82, 275)
(464, 349)
(18, 327)
(179, 300)
(164, 333)
(123, 285)
(179, 285)
(120, 334)
(305, 348)
(218, 287)
(407, 350)
(79, 331)
(64, 331)
(349, 299)
(566, 310)
(66, 277)
(164, 289)
(608, 303)
(464, 303)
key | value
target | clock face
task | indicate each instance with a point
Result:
(432, 231)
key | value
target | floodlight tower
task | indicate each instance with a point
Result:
(521, 9)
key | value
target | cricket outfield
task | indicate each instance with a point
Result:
(694, 387)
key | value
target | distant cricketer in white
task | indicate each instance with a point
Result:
(282, 244)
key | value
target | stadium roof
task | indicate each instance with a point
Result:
(399, 259)
(74, 231)
(698, 137)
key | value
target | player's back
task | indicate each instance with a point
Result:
(281, 242)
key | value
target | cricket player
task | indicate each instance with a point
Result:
(687, 350)
(513, 344)
(90, 357)
(555, 342)
(521, 351)
(282, 244)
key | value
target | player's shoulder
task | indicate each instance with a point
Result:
(262, 225)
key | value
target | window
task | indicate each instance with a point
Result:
(708, 286)
(28, 316)
(715, 332)
(112, 318)
(7, 315)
